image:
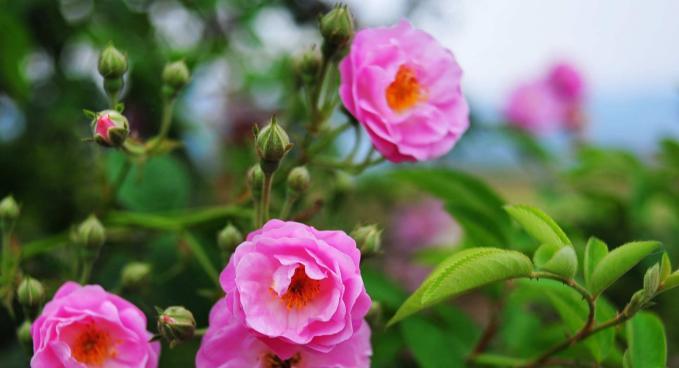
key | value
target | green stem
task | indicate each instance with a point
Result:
(86, 271)
(357, 144)
(120, 179)
(201, 256)
(290, 200)
(6, 250)
(266, 199)
(584, 332)
(168, 105)
(200, 332)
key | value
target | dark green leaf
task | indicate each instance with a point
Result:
(595, 251)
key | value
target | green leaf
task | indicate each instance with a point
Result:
(671, 281)
(595, 251)
(665, 267)
(202, 257)
(543, 254)
(430, 344)
(618, 262)
(463, 271)
(646, 340)
(564, 262)
(538, 224)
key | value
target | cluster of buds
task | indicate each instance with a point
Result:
(176, 324)
(337, 29)
(272, 144)
(112, 66)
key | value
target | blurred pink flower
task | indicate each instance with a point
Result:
(229, 344)
(295, 285)
(536, 108)
(550, 103)
(404, 88)
(85, 326)
(413, 227)
(567, 82)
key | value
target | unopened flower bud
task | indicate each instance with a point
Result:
(375, 316)
(368, 238)
(299, 179)
(135, 275)
(229, 238)
(30, 293)
(175, 76)
(91, 233)
(110, 128)
(652, 280)
(176, 324)
(636, 303)
(24, 335)
(9, 209)
(112, 63)
(337, 29)
(255, 181)
(272, 144)
(308, 65)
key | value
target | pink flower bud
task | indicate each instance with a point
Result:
(110, 128)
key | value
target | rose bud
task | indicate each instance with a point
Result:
(299, 180)
(176, 324)
(337, 29)
(110, 128)
(24, 335)
(255, 180)
(308, 65)
(272, 144)
(135, 275)
(9, 209)
(91, 233)
(112, 63)
(175, 76)
(368, 238)
(30, 294)
(228, 239)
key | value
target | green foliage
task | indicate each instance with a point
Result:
(472, 203)
(595, 251)
(462, 272)
(430, 344)
(564, 262)
(616, 263)
(539, 225)
(647, 346)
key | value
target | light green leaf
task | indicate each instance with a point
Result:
(618, 262)
(463, 271)
(646, 340)
(538, 224)
(595, 251)
(665, 267)
(671, 281)
(544, 253)
(564, 262)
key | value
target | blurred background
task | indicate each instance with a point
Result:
(616, 176)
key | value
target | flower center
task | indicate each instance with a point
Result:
(301, 290)
(405, 91)
(273, 361)
(92, 346)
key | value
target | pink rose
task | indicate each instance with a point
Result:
(84, 326)
(535, 107)
(404, 88)
(294, 285)
(567, 82)
(229, 344)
